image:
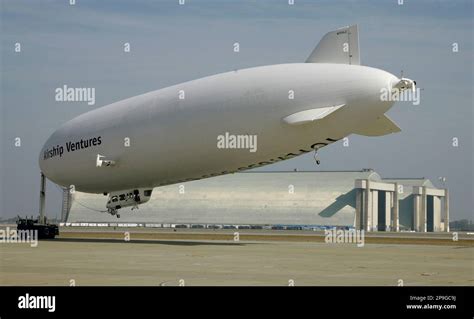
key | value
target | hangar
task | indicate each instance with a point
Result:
(360, 199)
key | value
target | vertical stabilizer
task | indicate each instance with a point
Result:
(338, 46)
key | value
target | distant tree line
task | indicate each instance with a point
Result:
(462, 225)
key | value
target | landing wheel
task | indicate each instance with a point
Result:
(118, 215)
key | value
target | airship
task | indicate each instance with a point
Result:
(222, 124)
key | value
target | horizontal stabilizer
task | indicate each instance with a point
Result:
(308, 116)
(381, 126)
(339, 46)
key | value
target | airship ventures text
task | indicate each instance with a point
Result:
(71, 147)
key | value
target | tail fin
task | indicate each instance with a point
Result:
(381, 126)
(338, 46)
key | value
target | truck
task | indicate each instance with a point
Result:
(44, 229)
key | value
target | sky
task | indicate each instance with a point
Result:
(81, 45)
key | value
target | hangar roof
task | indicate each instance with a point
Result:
(411, 181)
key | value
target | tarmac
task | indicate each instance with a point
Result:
(207, 258)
